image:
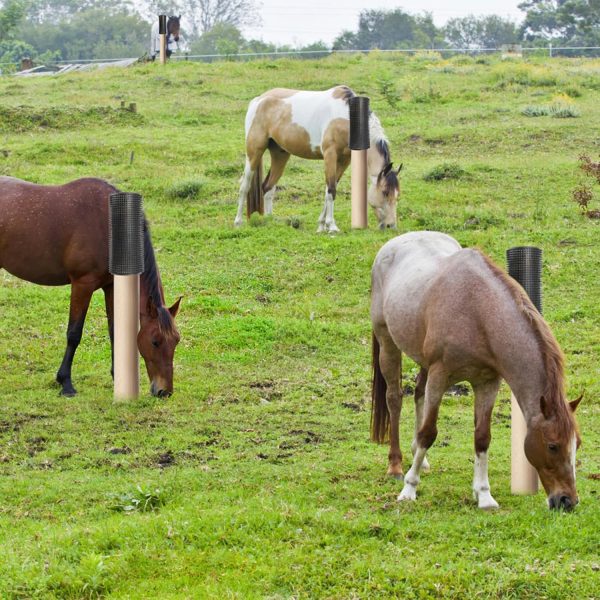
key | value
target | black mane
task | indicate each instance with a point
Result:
(151, 279)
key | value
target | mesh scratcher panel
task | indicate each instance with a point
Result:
(525, 265)
(359, 123)
(126, 234)
(162, 24)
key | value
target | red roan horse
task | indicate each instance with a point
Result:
(461, 318)
(58, 235)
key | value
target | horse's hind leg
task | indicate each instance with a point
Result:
(485, 395)
(256, 144)
(437, 382)
(390, 363)
(419, 403)
(81, 295)
(279, 159)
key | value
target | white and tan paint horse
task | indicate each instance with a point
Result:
(461, 318)
(313, 125)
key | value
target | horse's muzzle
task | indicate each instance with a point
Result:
(562, 502)
(160, 393)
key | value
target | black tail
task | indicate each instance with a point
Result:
(255, 199)
(380, 417)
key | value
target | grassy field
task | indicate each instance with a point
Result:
(257, 478)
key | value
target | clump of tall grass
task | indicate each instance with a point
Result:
(557, 110)
(445, 171)
(185, 190)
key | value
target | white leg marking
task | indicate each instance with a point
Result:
(244, 187)
(321, 223)
(411, 479)
(481, 484)
(269, 196)
(418, 419)
(329, 219)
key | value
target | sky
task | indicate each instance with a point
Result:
(299, 22)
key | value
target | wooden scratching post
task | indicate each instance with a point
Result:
(524, 265)
(126, 262)
(162, 34)
(359, 144)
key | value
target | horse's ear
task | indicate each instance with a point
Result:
(575, 403)
(399, 168)
(546, 409)
(388, 168)
(151, 308)
(179, 18)
(175, 308)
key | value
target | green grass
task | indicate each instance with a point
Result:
(257, 475)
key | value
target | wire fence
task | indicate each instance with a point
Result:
(549, 50)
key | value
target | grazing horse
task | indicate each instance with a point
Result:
(58, 235)
(461, 318)
(312, 125)
(173, 27)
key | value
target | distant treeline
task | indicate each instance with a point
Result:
(52, 30)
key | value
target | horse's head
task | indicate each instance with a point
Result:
(173, 25)
(383, 196)
(157, 340)
(550, 446)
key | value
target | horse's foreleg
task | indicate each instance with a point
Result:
(390, 362)
(327, 220)
(109, 303)
(437, 382)
(485, 395)
(81, 295)
(419, 403)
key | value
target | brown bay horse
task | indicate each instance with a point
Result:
(313, 125)
(58, 235)
(461, 318)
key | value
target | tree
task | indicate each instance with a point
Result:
(57, 11)
(205, 14)
(389, 29)
(223, 38)
(91, 34)
(569, 21)
(11, 14)
(480, 32)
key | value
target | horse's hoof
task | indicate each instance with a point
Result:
(408, 493)
(333, 229)
(397, 476)
(321, 229)
(68, 392)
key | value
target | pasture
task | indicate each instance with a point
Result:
(257, 479)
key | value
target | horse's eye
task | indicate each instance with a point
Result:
(553, 447)
(155, 343)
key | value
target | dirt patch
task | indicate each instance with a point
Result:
(166, 459)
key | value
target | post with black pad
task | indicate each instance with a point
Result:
(126, 263)
(359, 144)
(162, 33)
(525, 266)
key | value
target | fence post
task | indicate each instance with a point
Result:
(162, 32)
(126, 262)
(524, 265)
(359, 144)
